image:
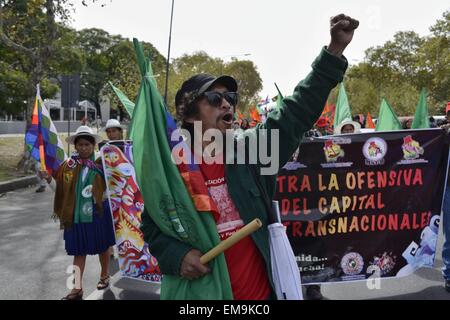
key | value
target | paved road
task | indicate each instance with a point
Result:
(33, 262)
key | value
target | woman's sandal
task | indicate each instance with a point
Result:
(74, 296)
(103, 283)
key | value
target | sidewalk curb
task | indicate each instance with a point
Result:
(18, 183)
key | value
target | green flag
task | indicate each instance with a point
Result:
(421, 120)
(127, 103)
(387, 120)
(166, 198)
(342, 107)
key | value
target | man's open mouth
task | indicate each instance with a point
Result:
(228, 118)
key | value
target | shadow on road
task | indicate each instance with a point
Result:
(432, 274)
(430, 293)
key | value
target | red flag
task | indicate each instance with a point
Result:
(326, 112)
(326, 118)
(255, 115)
(369, 122)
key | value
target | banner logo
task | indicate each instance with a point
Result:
(412, 151)
(385, 262)
(352, 263)
(333, 151)
(365, 222)
(374, 151)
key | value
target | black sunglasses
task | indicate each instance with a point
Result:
(214, 98)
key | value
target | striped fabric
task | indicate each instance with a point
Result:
(191, 174)
(42, 138)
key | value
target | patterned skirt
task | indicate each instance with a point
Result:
(91, 238)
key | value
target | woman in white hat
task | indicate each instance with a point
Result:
(82, 209)
(114, 130)
(348, 126)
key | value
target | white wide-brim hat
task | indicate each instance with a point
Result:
(355, 125)
(83, 131)
(113, 123)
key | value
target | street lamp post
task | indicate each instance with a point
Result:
(70, 111)
(168, 55)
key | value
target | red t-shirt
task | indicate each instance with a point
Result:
(246, 266)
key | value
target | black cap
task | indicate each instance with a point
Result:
(200, 83)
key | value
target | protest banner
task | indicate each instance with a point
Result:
(364, 205)
(127, 205)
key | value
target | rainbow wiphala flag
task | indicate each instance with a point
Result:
(42, 138)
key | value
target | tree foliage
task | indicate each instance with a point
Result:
(400, 68)
(124, 72)
(38, 46)
(244, 71)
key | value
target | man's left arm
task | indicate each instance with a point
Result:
(300, 111)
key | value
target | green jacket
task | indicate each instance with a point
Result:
(297, 115)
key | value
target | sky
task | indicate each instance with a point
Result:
(281, 37)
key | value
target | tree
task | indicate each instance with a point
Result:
(244, 71)
(95, 45)
(20, 22)
(35, 48)
(249, 81)
(184, 67)
(124, 73)
(38, 47)
(434, 61)
(400, 68)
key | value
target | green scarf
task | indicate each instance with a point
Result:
(84, 203)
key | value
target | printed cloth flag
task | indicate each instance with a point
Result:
(127, 205)
(166, 196)
(127, 103)
(263, 102)
(342, 107)
(421, 120)
(262, 106)
(387, 120)
(42, 138)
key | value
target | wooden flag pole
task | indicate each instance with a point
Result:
(41, 140)
(42, 157)
(236, 237)
(168, 55)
